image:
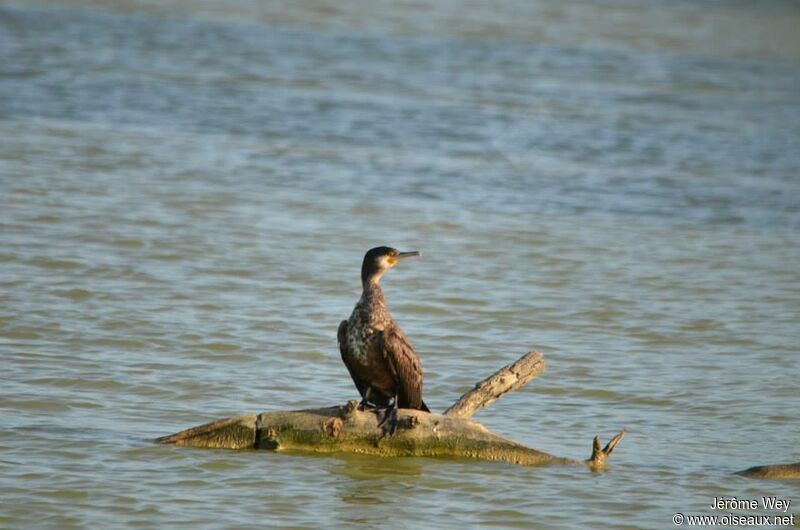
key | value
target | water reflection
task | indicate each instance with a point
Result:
(373, 480)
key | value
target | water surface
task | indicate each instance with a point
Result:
(188, 189)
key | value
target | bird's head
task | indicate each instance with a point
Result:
(379, 260)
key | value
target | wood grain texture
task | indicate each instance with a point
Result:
(507, 379)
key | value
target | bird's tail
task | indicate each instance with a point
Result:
(423, 407)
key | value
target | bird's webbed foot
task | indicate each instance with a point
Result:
(365, 405)
(387, 420)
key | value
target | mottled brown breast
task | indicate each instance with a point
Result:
(366, 360)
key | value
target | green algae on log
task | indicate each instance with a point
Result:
(347, 429)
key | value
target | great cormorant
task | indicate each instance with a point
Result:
(375, 350)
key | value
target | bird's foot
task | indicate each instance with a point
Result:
(365, 405)
(388, 420)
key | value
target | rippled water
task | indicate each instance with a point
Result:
(188, 189)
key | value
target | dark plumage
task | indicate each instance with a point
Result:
(375, 350)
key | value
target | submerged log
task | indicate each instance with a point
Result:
(777, 471)
(347, 429)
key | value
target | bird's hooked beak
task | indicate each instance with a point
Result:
(404, 255)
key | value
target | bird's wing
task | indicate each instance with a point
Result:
(344, 344)
(405, 365)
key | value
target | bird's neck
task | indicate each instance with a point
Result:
(372, 290)
(371, 279)
(373, 302)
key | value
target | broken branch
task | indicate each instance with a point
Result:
(507, 379)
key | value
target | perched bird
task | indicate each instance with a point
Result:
(375, 350)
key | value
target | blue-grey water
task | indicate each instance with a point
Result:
(187, 189)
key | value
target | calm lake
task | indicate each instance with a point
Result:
(187, 188)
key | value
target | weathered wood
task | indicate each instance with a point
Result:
(599, 456)
(777, 471)
(507, 379)
(347, 429)
(238, 432)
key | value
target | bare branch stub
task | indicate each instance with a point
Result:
(508, 379)
(599, 456)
